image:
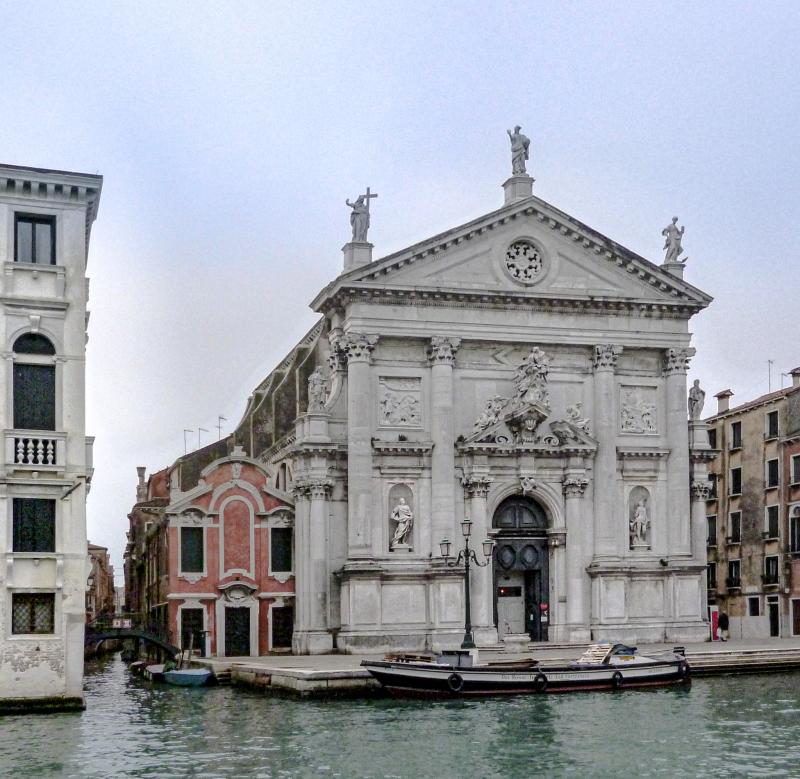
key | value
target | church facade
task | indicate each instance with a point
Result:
(524, 372)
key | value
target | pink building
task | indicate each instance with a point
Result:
(228, 584)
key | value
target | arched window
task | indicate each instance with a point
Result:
(34, 384)
(33, 343)
(520, 515)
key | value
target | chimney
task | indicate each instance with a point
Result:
(795, 374)
(723, 400)
(141, 487)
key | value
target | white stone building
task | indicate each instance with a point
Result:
(521, 370)
(45, 222)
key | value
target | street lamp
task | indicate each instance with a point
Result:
(466, 555)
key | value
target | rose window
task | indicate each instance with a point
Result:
(524, 262)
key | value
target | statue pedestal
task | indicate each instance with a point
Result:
(675, 268)
(518, 188)
(401, 548)
(640, 546)
(356, 254)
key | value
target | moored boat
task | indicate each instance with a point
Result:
(601, 667)
(188, 677)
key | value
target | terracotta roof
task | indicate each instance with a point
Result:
(760, 401)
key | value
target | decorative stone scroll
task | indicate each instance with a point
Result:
(442, 350)
(677, 360)
(701, 490)
(606, 356)
(400, 401)
(637, 412)
(476, 485)
(574, 486)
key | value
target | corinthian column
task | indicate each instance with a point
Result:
(605, 464)
(442, 356)
(358, 348)
(302, 587)
(577, 614)
(476, 489)
(700, 493)
(676, 363)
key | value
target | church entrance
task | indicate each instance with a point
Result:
(521, 569)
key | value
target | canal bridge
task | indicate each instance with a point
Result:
(127, 626)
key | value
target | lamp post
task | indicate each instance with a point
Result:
(466, 555)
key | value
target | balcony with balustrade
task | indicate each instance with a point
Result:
(35, 450)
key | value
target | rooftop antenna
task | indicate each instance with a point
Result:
(185, 445)
(198, 435)
(220, 420)
(769, 375)
(787, 375)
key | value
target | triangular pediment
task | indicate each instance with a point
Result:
(526, 250)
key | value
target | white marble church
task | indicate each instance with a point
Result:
(522, 371)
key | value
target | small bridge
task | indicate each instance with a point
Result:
(122, 626)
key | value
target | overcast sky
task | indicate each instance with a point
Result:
(230, 133)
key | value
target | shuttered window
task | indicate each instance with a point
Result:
(281, 550)
(192, 558)
(34, 525)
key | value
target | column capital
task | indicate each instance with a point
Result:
(337, 358)
(605, 357)
(476, 485)
(319, 488)
(701, 490)
(574, 486)
(358, 346)
(677, 360)
(442, 350)
(301, 489)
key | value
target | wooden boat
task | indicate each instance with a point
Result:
(188, 677)
(155, 673)
(601, 667)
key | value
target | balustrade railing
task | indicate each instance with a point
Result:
(34, 449)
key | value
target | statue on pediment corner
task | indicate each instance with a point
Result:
(672, 245)
(520, 145)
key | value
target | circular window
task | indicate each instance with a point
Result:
(524, 262)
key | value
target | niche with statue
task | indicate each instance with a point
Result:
(639, 519)
(401, 518)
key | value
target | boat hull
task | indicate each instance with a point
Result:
(188, 678)
(433, 679)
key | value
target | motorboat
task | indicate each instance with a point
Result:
(188, 677)
(603, 666)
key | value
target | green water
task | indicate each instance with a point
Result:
(725, 726)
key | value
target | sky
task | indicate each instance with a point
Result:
(229, 135)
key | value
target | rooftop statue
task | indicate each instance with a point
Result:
(672, 245)
(519, 151)
(359, 216)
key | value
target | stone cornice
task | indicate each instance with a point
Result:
(512, 450)
(640, 452)
(402, 447)
(590, 240)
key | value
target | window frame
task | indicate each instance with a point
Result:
(32, 596)
(711, 541)
(272, 570)
(16, 519)
(735, 581)
(203, 548)
(712, 437)
(771, 485)
(753, 599)
(775, 509)
(794, 465)
(34, 219)
(737, 537)
(769, 434)
(794, 529)
(711, 576)
(771, 561)
(736, 435)
(732, 480)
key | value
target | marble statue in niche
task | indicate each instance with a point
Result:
(401, 517)
(400, 402)
(316, 390)
(639, 518)
(697, 398)
(638, 411)
(520, 144)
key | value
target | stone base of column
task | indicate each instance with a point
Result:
(312, 642)
(485, 636)
(518, 188)
(356, 254)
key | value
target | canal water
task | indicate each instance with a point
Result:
(724, 726)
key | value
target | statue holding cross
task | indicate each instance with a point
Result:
(359, 216)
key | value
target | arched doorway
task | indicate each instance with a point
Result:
(521, 568)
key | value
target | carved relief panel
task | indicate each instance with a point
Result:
(638, 410)
(400, 401)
